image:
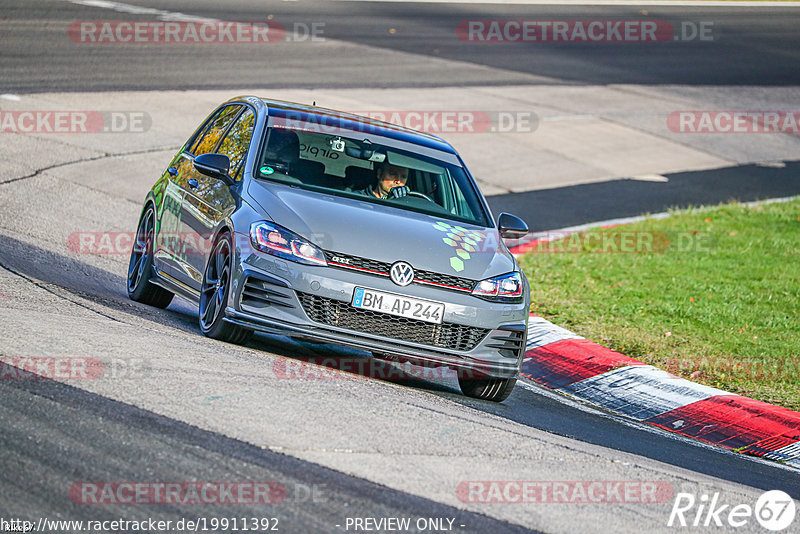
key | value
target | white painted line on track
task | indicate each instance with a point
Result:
(640, 391)
(771, 164)
(160, 14)
(542, 332)
(650, 178)
(602, 3)
(790, 454)
(582, 405)
(579, 404)
(561, 118)
(138, 10)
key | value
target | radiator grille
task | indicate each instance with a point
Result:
(341, 314)
(379, 268)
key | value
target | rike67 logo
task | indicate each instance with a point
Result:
(774, 510)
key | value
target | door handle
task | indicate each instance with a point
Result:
(193, 183)
(172, 171)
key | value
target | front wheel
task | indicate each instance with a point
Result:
(487, 388)
(214, 295)
(140, 267)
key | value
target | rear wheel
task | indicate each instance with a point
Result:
(214, 295)
(140, 267)
(486, 387)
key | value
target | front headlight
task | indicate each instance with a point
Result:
(278, 241)
(506, 288)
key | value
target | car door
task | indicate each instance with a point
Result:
(174, 260)
(209, 200)
(170, 243)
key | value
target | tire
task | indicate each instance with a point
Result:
(487, 388)
(140, 266)
(214, 295)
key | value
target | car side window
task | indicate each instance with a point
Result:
(215, 129)
(194, 141)
(237, 142)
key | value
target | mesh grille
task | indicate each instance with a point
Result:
(445, 279)
(338, 313)
(346, 261)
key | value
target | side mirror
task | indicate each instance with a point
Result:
(511, 226)
(215, 166)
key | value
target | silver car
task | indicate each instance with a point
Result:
(301, 221)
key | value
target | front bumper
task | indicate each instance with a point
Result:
(313, 302)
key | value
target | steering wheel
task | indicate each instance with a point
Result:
(418, 194)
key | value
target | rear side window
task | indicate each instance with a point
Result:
(237, 141)
(214, 130)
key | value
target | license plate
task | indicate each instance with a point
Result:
(400, 305)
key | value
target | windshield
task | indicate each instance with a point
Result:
(346, 163)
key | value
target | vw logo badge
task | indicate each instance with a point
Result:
(402, 273)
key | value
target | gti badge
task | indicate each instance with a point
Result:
(402, 273)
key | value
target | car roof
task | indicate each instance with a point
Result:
(347, 121)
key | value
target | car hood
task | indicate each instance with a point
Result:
(385, 233)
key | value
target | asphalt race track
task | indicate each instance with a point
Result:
(748, 36)
(338, 450)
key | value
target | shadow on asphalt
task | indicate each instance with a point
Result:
(82, 436)
(562, 207)
(542, 411)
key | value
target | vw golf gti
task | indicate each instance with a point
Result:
(321, 225)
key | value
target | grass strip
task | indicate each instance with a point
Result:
(711, 294)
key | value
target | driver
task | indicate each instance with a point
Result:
(391, 182)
